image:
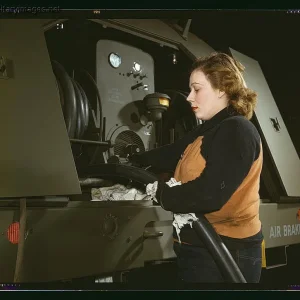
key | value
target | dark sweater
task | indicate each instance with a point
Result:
(230, 146)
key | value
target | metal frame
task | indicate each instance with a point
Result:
(155, 30)
(186, 29)
(280, 265)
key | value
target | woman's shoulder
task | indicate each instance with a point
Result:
(240, 124)
(238, 129)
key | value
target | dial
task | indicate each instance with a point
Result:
(136, 67)
(115, 60)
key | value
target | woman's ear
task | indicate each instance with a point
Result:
(221, 94)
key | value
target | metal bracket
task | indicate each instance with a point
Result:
(186, 29)
(279, 265)
(22, 233)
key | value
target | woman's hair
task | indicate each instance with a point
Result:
(225, 74)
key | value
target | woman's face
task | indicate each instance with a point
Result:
(205, 101)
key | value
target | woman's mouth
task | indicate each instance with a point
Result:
(194, 108)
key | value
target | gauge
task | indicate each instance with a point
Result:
(136, 67)
(115, 60)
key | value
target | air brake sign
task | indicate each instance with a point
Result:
(284, 230)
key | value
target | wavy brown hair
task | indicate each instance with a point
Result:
(225, 74)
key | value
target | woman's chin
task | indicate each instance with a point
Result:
(199, 115)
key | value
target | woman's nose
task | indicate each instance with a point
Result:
(189, 97)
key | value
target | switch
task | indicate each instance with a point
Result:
(145, 86)
(137, 85)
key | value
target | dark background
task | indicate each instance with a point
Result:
(270, 37)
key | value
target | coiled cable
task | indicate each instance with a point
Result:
(101, 133)
(74, 101)
(76, 105)
(68, 95)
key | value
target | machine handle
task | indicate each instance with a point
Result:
(149, 235)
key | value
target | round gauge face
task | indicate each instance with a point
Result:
(115, 60)
(136, 67)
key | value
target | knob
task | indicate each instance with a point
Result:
(110, 226)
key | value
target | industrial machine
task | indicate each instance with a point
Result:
(79, 98)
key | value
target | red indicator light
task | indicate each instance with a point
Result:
(13, 233)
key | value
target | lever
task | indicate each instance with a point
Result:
(136, 86)
(156, 234)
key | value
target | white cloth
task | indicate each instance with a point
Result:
(120, 192)
(151, 189)
(117, 192)
(179, 219)
(183, 219)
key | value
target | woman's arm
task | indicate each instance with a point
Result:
(165, 158)
(235, 147)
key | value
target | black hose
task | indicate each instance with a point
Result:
(98, 99)
(70, 105)
(119, 170)
(212, 241)
(75, 104)
(101, 115)
(86, 111)
(79, 117)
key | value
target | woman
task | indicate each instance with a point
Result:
(219, 165)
